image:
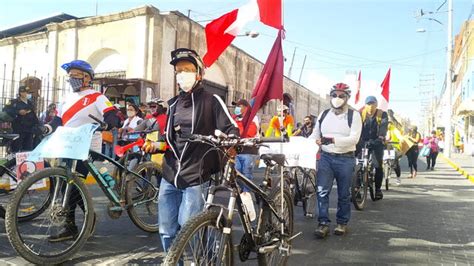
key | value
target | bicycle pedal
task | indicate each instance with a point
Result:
(294, 236)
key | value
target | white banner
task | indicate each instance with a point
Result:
(300, 151)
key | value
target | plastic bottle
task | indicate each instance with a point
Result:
(247, 201)
(107, 177)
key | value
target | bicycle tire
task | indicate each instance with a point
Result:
(387, 173)
(131, 196)
(203, 220)
(11, 223)
(309, 191)
(267, 229)
(359, 185)
(10, 166)
(371, 182)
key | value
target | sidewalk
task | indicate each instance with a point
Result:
(462, 163)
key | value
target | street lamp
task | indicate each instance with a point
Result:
(448, 131)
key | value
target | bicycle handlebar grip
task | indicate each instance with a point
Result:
(102, 124)
(271, 139)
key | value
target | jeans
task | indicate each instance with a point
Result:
(175, 208)
(109, 147)
(431, 159)
(341, 168)
(244, 163)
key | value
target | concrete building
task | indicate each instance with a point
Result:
(130, 51)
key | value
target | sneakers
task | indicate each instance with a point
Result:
(398, 181)
(69, 232)
(378, 194)
(340, 230)
(322, 231)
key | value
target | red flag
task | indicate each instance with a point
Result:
(222, 31)
(357, 97)
(386, 86)
(270, 83)
(216, 38)
(270, 13)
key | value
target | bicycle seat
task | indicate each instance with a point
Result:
(9, 136)
(278, 158)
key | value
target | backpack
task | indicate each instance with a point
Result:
(350, 115)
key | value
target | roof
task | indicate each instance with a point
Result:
(34, 26)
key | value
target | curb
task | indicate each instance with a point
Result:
(459, 169)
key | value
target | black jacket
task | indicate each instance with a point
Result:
(26, 123)
(193, 165)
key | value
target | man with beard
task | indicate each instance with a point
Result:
(306, 129)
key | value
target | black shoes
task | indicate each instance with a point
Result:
(378, 194)
(68, 233)
(322, 231)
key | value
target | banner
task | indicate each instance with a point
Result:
(300, 151)
(25, 167)
(66, 142)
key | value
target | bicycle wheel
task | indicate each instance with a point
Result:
(32, 207)
(142, 197)
(199, 242)
(308, 192)
(387, 173)
(31, 238)
(359, 188)
(270, 229)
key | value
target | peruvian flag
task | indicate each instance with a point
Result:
(385, 91)
(222, 31)
(357, 97)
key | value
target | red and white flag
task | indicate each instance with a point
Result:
(357, 97)
(385, 92)
(222, 31)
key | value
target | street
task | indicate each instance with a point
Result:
(426, 220)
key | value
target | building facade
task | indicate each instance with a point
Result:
(130, 52)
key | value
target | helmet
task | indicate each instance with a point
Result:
(79, 64)
(188, 55)
(341, 87)
(157, 101)
(285, 108)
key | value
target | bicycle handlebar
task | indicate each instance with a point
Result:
(102, 125)
(234, 140)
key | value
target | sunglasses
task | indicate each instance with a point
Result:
(342, 96)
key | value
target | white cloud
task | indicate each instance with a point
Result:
(318, 83)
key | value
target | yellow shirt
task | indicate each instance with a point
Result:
(274, 125)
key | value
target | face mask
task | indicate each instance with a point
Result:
(337, 102)
(29, 96)
(186, 80)
(131, 113)
(238, 111)
(76, 84)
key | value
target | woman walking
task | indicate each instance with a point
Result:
(412, 153)
(432, 143)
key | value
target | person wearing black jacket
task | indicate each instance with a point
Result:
(188, 165)
(374, 130)
(25, 123)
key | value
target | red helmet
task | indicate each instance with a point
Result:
(341, 87)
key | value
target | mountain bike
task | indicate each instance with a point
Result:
(390, 163)
(31, 207)
(363, 178)
(133, 191)
(206, 239)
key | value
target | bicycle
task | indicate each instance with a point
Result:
(30, 209)
(133, 191)
(303, 186)
(207, 238)
(390, 163)
(363, 178)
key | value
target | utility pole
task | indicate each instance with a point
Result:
(302, 68)
(448, 129)
(291, 64)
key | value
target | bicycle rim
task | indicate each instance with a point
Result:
(31, 238)
(359, 190)
(199, 242)
(145, 195)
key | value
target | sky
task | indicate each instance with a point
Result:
(337, 37)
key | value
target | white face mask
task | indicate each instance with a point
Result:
(186, 80)
(131, 113)
(337, 102)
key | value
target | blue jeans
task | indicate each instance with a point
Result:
(244, 163)
(175, 208)
(341, 168)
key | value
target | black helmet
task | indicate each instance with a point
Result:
(188, 55)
